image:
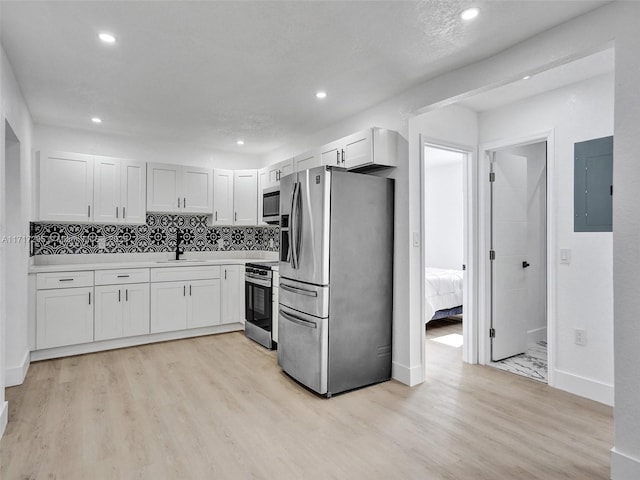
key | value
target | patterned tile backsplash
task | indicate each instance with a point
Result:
(157, 235)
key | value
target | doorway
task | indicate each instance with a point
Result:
(445, 258)
(517, 293)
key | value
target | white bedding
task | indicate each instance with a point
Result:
(443, 290)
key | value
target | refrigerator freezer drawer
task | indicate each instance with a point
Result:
(310, 299)
(303, 347)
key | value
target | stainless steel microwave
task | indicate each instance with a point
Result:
(271, 205)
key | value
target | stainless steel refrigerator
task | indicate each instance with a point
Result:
(336, 279)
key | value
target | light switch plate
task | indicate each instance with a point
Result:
(565, 256)
(416, 239)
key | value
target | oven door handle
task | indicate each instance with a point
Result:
(301, 291)
(298, 320)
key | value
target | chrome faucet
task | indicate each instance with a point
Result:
(179, 239)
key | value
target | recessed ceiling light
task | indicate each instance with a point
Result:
(107, 38)
(470, 13)
(526, 77)
(321, 95)
(96, 120)
(240, 142)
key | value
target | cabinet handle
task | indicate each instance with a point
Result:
(337, 157)
(89, 298)
(89, 211)
(189, 290)
(235, 217)
(216, 215)
(123, 276)
(124, 212)
(66, 280)
(126, 295)
(342, 156)
(178, 202)
(184, 202)
(116, 212)
(184, 290)
(225, 273)
(119, 295)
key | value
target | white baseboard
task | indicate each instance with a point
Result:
(131, 341)
(4, 417)
(15, 375)
(408, 375)
(537, 335)
(584, 387)
(624, 467)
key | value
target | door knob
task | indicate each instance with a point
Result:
(525, 264)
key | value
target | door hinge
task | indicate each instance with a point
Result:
(492, 176)
(492, 333)
(492, 254)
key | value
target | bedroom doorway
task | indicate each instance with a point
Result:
(518, 259)
(445, 279)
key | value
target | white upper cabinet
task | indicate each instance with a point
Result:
(245, 197)
(330, 154)
(270, 176)
(222, 197)
(119, 188)
(65, 186)
(235, 197)
(178, 189)
(307, 160)
(373, 147)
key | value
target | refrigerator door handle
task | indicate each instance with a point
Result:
(297, 234)
(291, 254)
(301, 291)
(298, 320)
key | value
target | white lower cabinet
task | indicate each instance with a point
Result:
(182, 305)
(232, 294)
(64, 316)
(121, 311)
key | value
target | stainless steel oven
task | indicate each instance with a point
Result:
(258, 288)
(271, 205)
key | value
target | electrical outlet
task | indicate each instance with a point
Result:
(102, 243)
(580, 336)
(565, 256)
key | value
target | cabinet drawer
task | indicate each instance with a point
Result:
(122, 276)
(45, 281)
(178, 274)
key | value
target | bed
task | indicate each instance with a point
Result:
(443, 293)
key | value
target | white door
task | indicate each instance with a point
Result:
(168, 306)
(108, 312)
(133, 191)
(106, 190)
(232, 294)
(135, 318)
(64, 317)
(222, 197)
(245, 197)
(509, 242)
(197, 190)
(163, 187)
(66, 187)
(203, 305)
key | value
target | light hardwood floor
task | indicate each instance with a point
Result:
(219, 407)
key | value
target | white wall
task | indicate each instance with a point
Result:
(584, 289)
(444, 213)
(14, 349)
(144, 149)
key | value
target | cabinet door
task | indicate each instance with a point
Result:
(358, 149)
(64, 317)
(306, 161)
(66, 187)
(274, 313)
(135, 318)
(133, 191)
(286, 168)
(108, 312)
(163, 187)
(203, 305)
(168, 306)
(232, 294)
(331, 155)
(222, 197)
(245, 197)
(106, 190)
(197, 190)
(268, 177)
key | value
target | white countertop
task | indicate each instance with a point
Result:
(109, 262)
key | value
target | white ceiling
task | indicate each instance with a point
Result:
(212, 72)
